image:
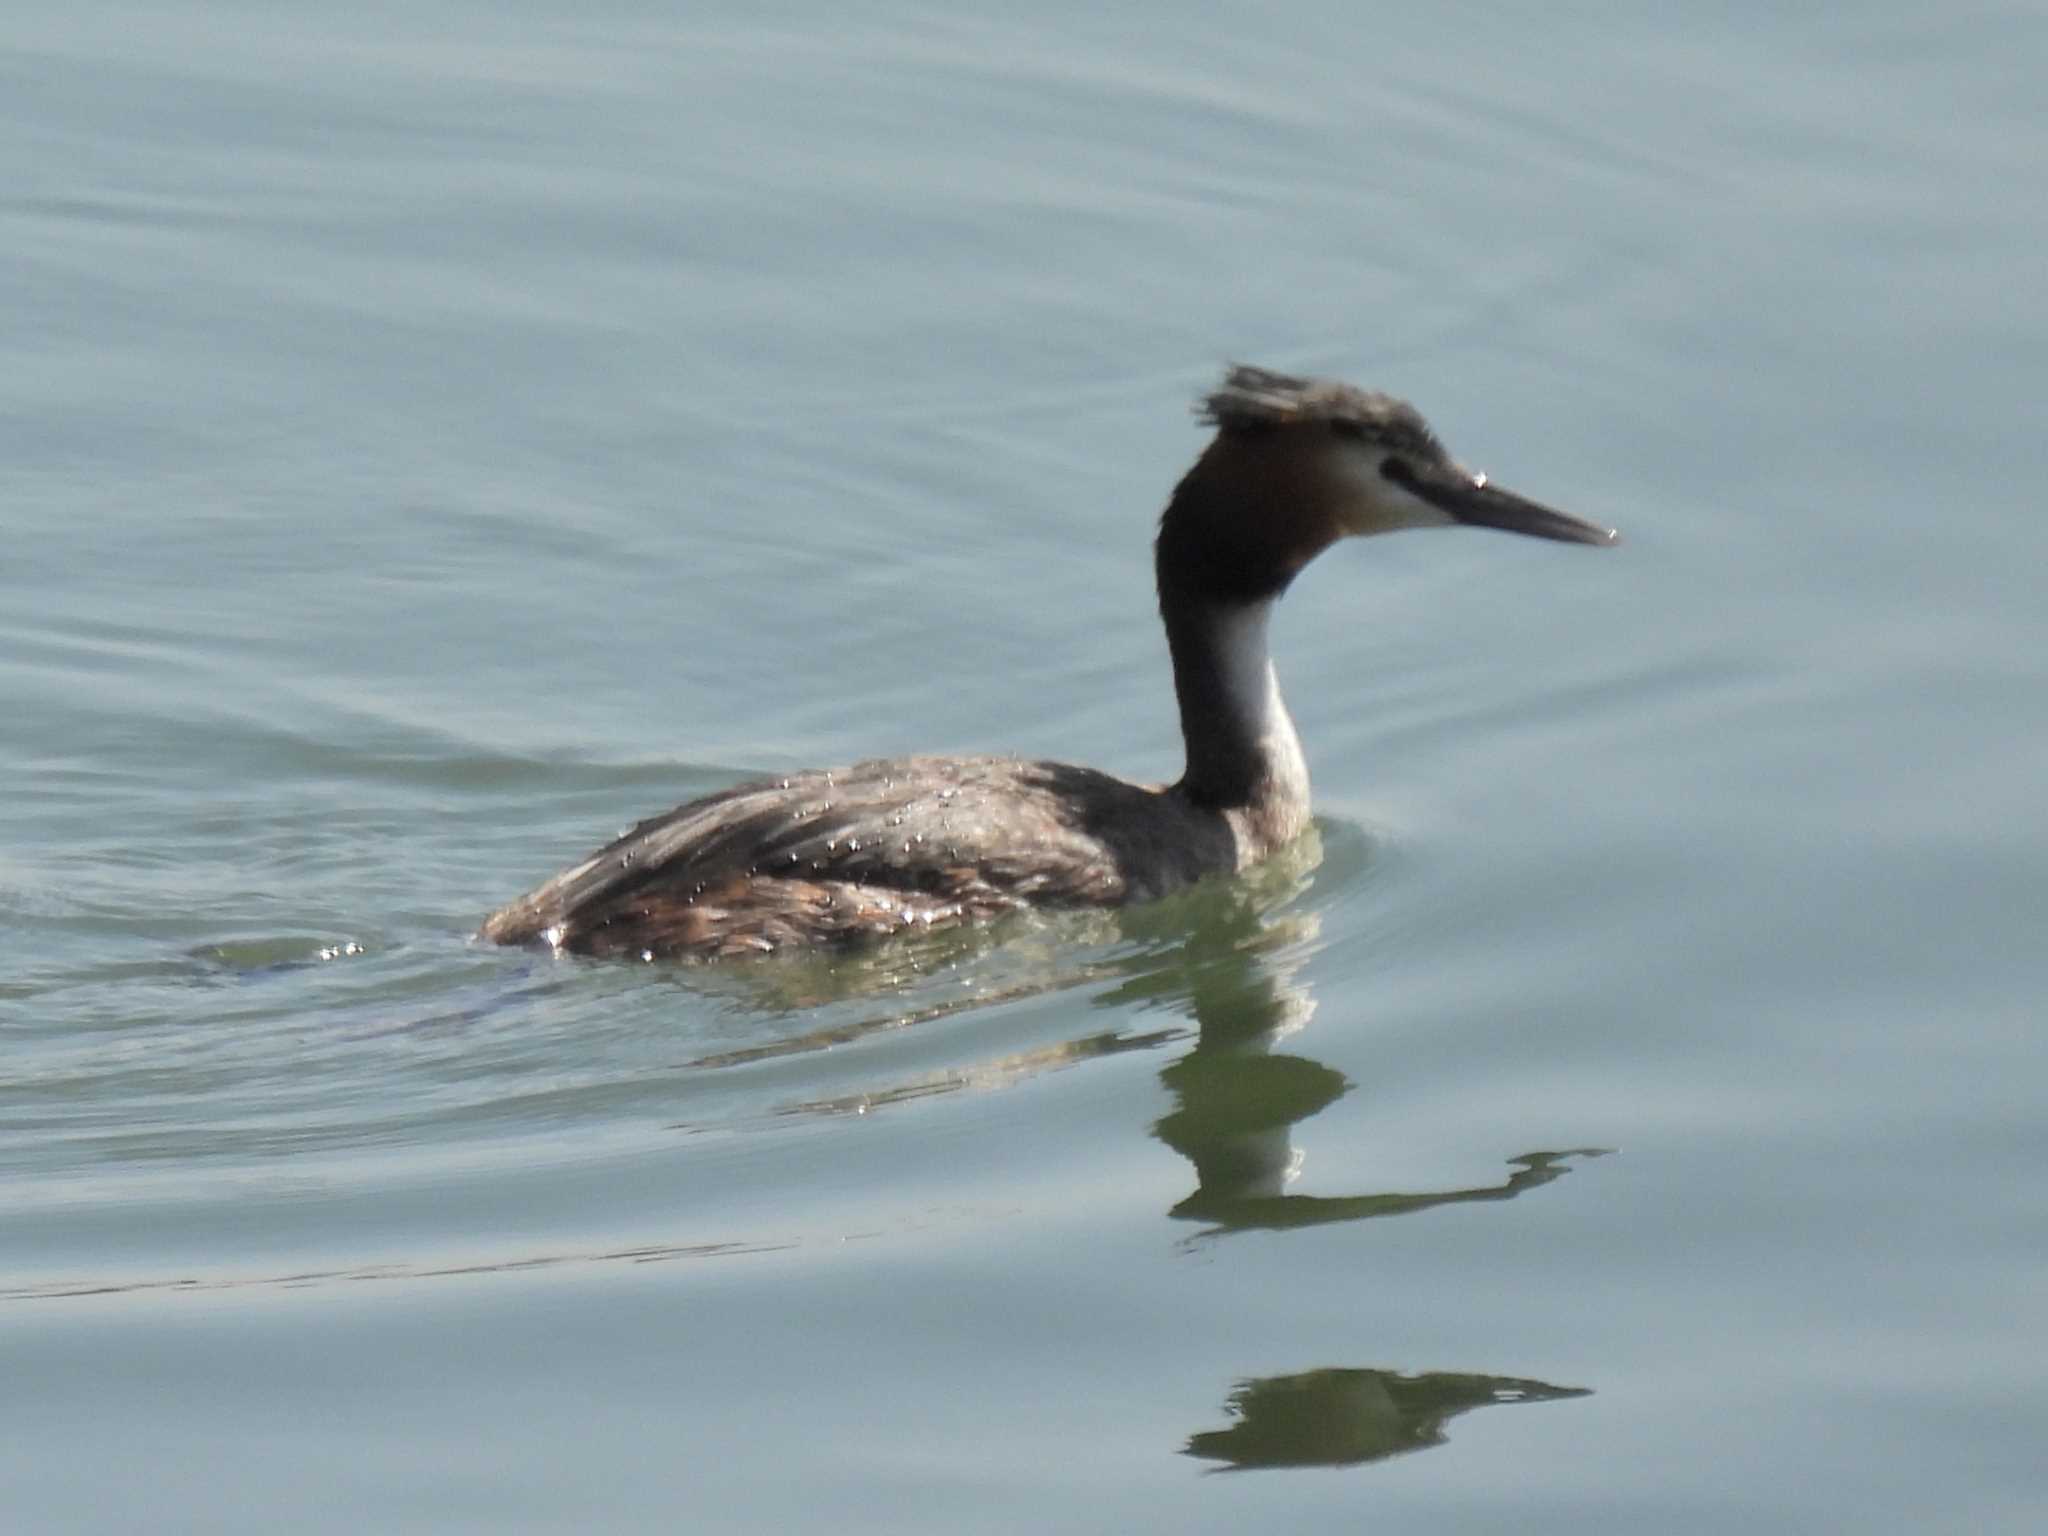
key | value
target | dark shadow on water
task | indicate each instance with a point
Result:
(1340, 1418)
(1237, 1101)
(1228, 957)
(1226, 954)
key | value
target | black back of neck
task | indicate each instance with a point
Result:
(1239, 529)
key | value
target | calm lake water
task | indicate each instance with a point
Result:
(433, 437)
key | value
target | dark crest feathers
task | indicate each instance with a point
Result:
(1258, 399)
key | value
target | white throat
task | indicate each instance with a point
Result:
(1250, 690)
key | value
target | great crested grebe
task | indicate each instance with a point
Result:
(924, 842)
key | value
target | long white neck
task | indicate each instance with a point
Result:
(1243, 752)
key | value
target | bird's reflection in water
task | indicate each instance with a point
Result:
(1339, 1418)
(1237, 1099)
(1236, 1103)
(1228, 955)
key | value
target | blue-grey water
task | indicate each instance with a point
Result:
(434, 436)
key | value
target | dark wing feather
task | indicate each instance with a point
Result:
(880, 845)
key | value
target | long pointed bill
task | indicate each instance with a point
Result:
(1474, 499)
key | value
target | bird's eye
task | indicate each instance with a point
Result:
(1395, 468)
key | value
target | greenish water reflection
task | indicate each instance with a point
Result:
(1338, 1418)
(1237, 1100)
(1236, 1103)
(1229, 956)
